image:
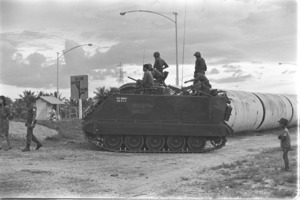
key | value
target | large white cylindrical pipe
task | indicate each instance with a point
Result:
(247, 111)
(275, 107)
(293, 100)
(257, 111)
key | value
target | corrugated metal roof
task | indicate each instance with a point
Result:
(51, 99)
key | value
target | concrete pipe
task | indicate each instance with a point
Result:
(258, 111)
(247, 111)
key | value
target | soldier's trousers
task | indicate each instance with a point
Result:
(286, 159)
(30, 136)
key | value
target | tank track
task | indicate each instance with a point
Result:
(124, 150)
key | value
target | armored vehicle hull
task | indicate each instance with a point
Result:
(158, 122)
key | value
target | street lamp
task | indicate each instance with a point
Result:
(57, 64)
(174, 21)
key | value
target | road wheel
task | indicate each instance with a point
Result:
(134, 142)
(155, 142)
(218, 141)
(113, 141)
(176, 143)
(196, 143)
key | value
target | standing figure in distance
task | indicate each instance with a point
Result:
(159, 63)
(4, 121)
(200, 65)
(285, 142)
(30, 123)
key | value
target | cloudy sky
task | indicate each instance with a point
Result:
(242, 42)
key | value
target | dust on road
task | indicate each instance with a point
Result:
(77, 169)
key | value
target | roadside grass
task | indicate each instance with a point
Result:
(258, 177)
(67, 129)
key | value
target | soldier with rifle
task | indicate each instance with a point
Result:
(30, 123)
(147, 81)
(200, 83)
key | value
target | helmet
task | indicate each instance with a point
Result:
(156, 54)
(148, 66)
(197, 54)
(283, 121)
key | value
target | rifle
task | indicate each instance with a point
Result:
(194, 79)
(177, 90)
(132, 78)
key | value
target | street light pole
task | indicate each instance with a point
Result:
(176, 40)
(57, 64)
(177, 69)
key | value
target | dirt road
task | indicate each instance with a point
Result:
(74, 168)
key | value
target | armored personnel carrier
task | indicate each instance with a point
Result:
(159, 119)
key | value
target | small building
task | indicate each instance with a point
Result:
(45, 105)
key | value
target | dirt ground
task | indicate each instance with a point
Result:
(68, 166)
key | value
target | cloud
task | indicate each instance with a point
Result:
(225, 32)
(214, 71)
(292, 72)
(232, 79)
(33, 70)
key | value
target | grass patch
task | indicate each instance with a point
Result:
(259, 176)
(67, 129)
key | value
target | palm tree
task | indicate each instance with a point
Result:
(26, 93)
(71, 102)
(59, 96)
(19, 108)
(100, 92)
(42, 93)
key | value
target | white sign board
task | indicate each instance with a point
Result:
(79, 87)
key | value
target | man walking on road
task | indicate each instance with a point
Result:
(30, 123)
(285, 142)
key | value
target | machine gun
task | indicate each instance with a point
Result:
(184, 90)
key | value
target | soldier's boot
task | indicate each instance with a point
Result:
(38, 145)
(27, 148)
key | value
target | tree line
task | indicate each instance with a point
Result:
(18, 106)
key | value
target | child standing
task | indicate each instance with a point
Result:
(285, 142)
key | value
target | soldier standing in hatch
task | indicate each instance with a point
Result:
(30, 123)
(4, 121)
(285, 142)
(159, 63)
(200, 65)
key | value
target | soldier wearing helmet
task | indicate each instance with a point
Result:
(147, 81)
(200, 65)
(201, 82)
(30, 123)
(159, 63)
